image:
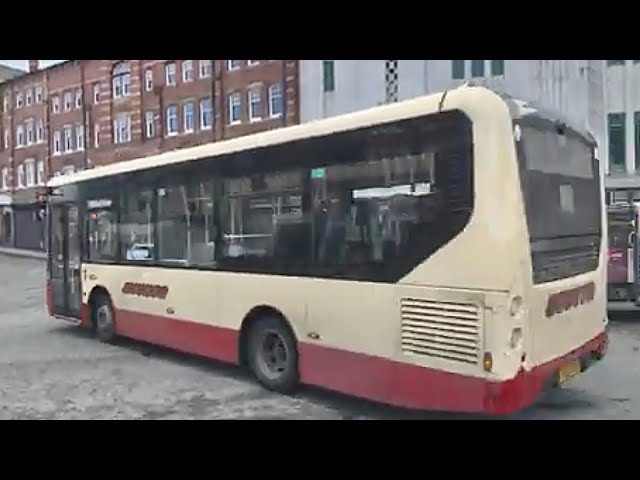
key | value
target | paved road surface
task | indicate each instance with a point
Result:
(49, 370)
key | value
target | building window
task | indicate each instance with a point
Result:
(19, 100)
(96, 135)
(79, 98)
(40, 173)
(206, 113)
(79, 137)
(39, 131)
(122, 129)
(30, 172)
(148, 80)
(39, 96)
(29, 97)
(67, 101)
(121, 81)
(21, 179)
(187, 71)
(172, 120)
(19, 136)
(96, 93)
(187, 117)
(612, 63)
(233, 64)
(252, 63)
(5, 178)
(170, 74)
(5, 104)
(328, 75)
(57, 144)
(275, 101)
(149, 124)
(68, 139)
(497, 68)
(30, 132)
(206, 68)
(7, 136)
(457, 69)
(55, 104)
(235, 108)
(255, 104)
(477, 68)
(617, 142)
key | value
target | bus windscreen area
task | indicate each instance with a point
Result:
(560, 182)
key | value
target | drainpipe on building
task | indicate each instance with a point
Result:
(85, 129)
(284, 93)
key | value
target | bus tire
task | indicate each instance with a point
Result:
(273, 354)
(104, 319)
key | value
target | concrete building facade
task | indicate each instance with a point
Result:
(84, 114)
(575, 88)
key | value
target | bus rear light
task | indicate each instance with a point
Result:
(487, 361)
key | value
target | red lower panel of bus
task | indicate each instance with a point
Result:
(356, 374)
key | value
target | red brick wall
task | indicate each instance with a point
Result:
(83, 75)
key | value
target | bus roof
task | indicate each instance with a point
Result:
(315, 128)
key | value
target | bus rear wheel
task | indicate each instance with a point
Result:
(104, 320)
(273, 355)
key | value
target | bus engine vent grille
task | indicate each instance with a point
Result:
(438, 329)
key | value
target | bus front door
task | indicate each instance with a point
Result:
(65, 261)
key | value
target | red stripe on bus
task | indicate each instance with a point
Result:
(374, 378)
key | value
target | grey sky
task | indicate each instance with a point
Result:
(23, 64)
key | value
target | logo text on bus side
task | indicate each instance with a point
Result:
(565, 300)
(145, 290)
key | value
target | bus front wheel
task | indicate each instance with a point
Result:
(273, 356)
(104, 322)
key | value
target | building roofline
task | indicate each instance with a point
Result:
(26, 74)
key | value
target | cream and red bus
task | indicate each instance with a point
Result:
(442, 253)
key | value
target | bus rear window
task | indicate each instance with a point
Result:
(561, 188)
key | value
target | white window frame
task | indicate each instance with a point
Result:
(170, 79)
(254, 99)
(28, 96)
(234, 101)
(5, 104)
(4, 185)
(272, 96)
(79, 137)
(189, 112)
(67, 101)
(253, 63)
(19, 101)
(122, 129)
(67, 136)
(206, 68)
(30, 137)
(171, 120)
(39, 94)
(149, 124)
(56, 143)
(121, 80)
(233, 65)
(55, 104)
(96, 135)
(148, 80)
(7, 138)
(40, 173)
(206, 104)
(19, 136)
(78, 98)
(21, 176)
(30, 172)
(187, 71)
(40, 131)
(96, 93)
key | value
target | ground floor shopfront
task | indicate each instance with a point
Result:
(22, 223)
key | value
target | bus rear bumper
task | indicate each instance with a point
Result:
(513, 395)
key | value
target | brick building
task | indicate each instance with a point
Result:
(83, 114)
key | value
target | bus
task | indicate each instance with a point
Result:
(444, 253)
(622, 271)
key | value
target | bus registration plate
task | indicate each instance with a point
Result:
(568, 371)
